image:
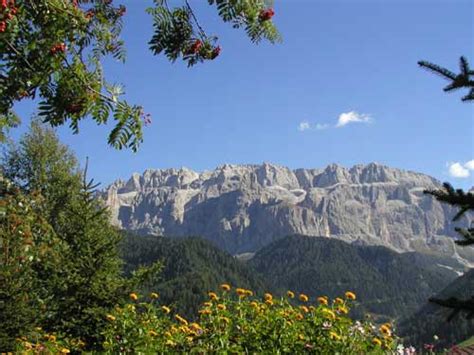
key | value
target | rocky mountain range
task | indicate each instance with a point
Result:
(242, 208)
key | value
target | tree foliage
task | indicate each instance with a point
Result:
(53, 49)
(458, 198)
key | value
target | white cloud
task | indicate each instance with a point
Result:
(303, 126)
(352, 116)
(469, 165)
(321, 126)
(456, 170)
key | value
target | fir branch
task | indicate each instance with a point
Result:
(457, 306)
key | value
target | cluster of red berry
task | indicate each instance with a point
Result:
(266, 14)
(7, 12)
(58, 48)
(196, 47)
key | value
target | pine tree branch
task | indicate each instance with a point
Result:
(457, 306)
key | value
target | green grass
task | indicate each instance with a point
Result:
(467, 342)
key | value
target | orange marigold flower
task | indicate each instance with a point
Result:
(248, 293)
(290, 294)
(133, 296)
(205, 311)
(350, 295)
(166, 309)
(299, 316)
(153, 333)
(268, 297)
(254, 304)
(207, 304)
(323, 300)
(109, 318)
(269, 302)
(225, 287)
(221, 307)
(195, 326)
(154, 295)
(338, 300)
(304, 298)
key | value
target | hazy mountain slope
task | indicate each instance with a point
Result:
(192, 267)
(430, 319)
(242, 208)
(387, 283)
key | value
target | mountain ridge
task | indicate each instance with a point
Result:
(242, 208)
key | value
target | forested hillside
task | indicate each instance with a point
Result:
(191, 268)
(388, 284)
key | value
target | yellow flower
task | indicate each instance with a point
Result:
(225, 320)
(165, 309)
(205, 311)
(28, 345)
(248, 293)
(195, 326)
(269, 302)
(343, 309)
(350, 295)
(225, 287)
(376, 341)
(52, 338)
(168, 334)
(304, 298)
(109, 317)
(170, 342)
(254, 304)
(153, 333)
(64, 351)
(299, 316)
(153, 295)
(338, 300)
(221, 307)
(329, 314)
(290, 294)
(213, 296)
(133, 296)
(268, 297)
(334, 336)
(323, 300)
(384, 329)
(304, 309)
(241, 292)
(207, 304)
(301, 337)
(180, 319)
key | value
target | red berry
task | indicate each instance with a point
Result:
(215, 52)
(196, 46)
(3, 4)
(3, 26)
(266, 15)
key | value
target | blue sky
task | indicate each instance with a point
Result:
(352, 59)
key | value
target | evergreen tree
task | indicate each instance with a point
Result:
(456, 197)
(86, 280)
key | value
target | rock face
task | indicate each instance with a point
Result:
(241, 208)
